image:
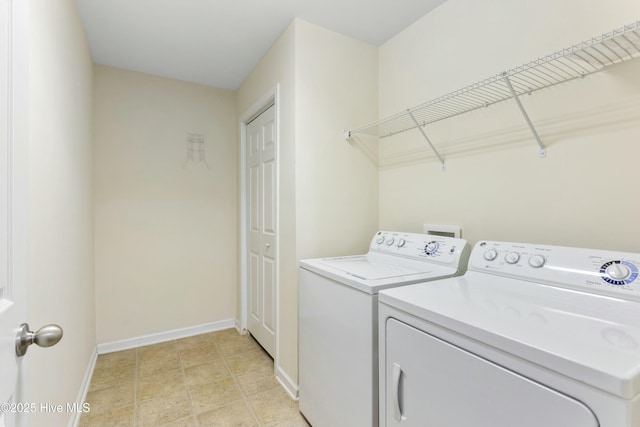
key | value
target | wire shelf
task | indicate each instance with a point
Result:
(571, 63)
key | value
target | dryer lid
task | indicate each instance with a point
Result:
(593, 339)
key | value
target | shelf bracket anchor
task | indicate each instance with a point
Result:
(543, 150)
(427, 139)
(346, 135)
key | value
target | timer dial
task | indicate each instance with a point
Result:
(619, 272)
(431, 248)
(401, 243)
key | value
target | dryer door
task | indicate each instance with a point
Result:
(431, 383)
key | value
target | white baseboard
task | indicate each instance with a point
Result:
(287, 383)
(134, 342)
(239, 329)
(84, 389)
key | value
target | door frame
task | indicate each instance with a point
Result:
(272, 97)
(18, 179)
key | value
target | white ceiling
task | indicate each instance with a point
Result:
(218, 42)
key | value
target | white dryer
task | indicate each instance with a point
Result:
(338, 323)
(530, 336)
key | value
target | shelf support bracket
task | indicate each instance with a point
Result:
(543, 150)
(427, 139)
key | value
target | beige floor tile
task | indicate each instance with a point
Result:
(241, 344)
(235, 415)
(224, 335)
(222, 378)
(108, 399)
(159, 347)
(121, 417)
(206, 397)
(273, 405)
(199, 355)
(295, 421)
(156, 361)
(159, 411)
(163, 385)
(118, 358)
(253, 384)
(207, 373)
(253, 362)
(104, 377)
(192, 342)
(183, 422)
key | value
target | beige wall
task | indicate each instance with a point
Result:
(60, 213)
(328, 187)
(496, 187)
(336, 180)
(165, 228)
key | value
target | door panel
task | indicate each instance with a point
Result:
(431, 383)
(269, 294)
(262, 228)
(13, 196)
(269, 183)
(254, 199)
(254, 273)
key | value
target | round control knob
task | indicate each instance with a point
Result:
(390, 241)
(401, 243)
(512, 257)
(490, 254)
(430, 248)
(380, 240)
(618, 271)
(536, 261)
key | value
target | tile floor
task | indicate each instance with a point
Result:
(217, 379)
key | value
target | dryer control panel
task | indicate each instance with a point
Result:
(589, 270)
(426, 247)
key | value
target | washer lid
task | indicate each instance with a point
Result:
(364, 268)
(373, 272)
(591, 338)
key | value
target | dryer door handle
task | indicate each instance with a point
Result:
(396, 376)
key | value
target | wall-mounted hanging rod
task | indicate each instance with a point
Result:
(427, 138)
(543, 150)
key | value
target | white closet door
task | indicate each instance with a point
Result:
(431, 383)
(262, 191)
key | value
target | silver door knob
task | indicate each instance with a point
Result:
(45, 337)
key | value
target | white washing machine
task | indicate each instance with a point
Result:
(531, 335)
(338, 323)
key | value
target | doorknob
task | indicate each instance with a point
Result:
(268, 245)
(45, 337)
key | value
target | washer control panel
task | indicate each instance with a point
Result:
(444, 250)
(590, 270)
